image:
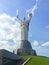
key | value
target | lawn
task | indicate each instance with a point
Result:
(37, 60)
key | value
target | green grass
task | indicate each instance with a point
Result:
(37, 60)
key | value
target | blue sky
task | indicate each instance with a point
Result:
(39, 24)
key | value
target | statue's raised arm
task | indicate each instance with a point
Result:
(17, 16)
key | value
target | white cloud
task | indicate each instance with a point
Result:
(6, 16)
(47, 26)
(45, 44)
(9, 29)
(4, 45)
(35, 43)
(41, 49)
(37, 0)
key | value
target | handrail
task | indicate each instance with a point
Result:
(27, 61)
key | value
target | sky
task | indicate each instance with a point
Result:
(38, 28)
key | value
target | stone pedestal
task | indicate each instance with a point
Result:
(25, 48)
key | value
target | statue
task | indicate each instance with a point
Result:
(24, 26)
(25, 46)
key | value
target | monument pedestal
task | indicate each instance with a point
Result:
(25, 48)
